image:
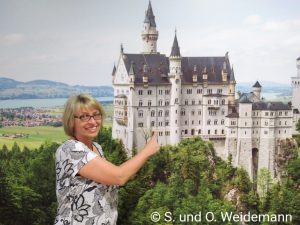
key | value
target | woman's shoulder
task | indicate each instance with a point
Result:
(71, 145)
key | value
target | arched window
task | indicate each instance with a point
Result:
(208, 122)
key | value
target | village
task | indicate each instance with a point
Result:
(29, 117)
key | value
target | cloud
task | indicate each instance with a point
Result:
(11, 39)
(253, 20)
(282, 25)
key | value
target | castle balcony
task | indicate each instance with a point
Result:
(214, 137)
(120, 110)
(214, 107)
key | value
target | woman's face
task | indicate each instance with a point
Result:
(87, 123)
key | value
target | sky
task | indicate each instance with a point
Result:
(78, 42)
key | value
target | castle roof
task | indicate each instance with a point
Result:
(257, 84)
(244, 98)
(233, 115)
(270, 106)
(149, 17)
(175, 51)
(158, 68)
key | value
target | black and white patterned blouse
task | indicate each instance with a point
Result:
(80, 200)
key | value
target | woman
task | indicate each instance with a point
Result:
(86, 184)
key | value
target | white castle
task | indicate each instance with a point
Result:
(181, 97)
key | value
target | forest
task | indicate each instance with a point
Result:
(184, 179)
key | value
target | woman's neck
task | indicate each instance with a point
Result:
(87, 142)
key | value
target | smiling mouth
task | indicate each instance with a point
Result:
(92, 129)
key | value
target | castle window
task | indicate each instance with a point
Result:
(216, 122)
(167, 92)
(176, 100)
(167, 113)
(280, 113)
(193, 113)
(160, 124)
(208, 122)
(199, 102)
(199, 91)
(160, 102)
(265, 132)
(209, 102)
(149, 103)
(149, 92)
(167, 133)
(152, 113)
(216, 131)
(186, 102)
(167, 102)
(222, 122)
(152, 123)
(199, 122)
(285, 131)
(220, 91)
(286, 113)
(160, 133)
(279, 132)
(167, 123)
(222, 131)
(140, 92)
(199, 112)
(266, 123)
(223, 102)
(279, 122)
(199, 131)
(175, 121)
(183, 112)
(245, 114)
(223, 112)
(141, 114)
(185, 131)
(209, 91)
(140, 103)
(185, 122)
(266, 114)
(192, 122)
(208, 131)
(245, 123)
(245, 132)
(193, 102)
(189, 91)
(285, 123)
(160, 92)
(140, 124)
(160, 113)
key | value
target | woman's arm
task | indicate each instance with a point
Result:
(107, 173)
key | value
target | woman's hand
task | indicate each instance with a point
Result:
(152, 147)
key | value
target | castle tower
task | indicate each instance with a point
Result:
(256, 88)
(149, 33)
(231, 89)
(244, 141)
(175, 79)
(296, 87)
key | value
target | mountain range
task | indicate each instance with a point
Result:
(12, 89)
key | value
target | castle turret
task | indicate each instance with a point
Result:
(175, 75)
(149, 33)
(231, 92)
(256, 88)
(296, 88)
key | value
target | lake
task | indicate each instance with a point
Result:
(41, 103)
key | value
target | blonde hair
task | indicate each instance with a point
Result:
(73, 104)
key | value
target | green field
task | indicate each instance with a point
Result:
(36, 136)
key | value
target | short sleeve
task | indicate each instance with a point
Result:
(73, 156)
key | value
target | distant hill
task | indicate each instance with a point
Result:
(12, 89)
(267, 87)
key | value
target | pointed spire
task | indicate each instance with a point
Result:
(131, 71)
(149, 17)
(232, 78)
(175, 48)
(257, 85)
(114, 70)
(121, 49)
